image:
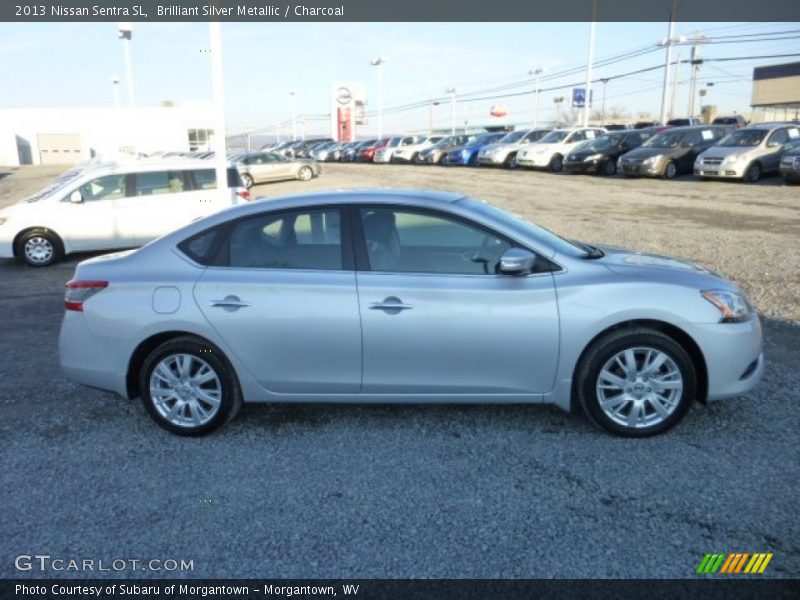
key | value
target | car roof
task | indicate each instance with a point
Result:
(151, 164)
(766, 126)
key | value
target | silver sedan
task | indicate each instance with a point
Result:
(403, 296)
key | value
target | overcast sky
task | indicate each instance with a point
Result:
(52, 65)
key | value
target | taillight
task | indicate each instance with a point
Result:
(244, 194)
(77, 292)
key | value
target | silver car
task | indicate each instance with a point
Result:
(403, 296)
(260, 167)
(748, 153)
(504, 151)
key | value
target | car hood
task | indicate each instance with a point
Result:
(583, 153)
(725, 151)
(642, 153)
(495, 146)
(658, 267)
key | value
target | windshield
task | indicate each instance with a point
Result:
(60, 182)
(445, 141)
(605, 141)
(511, 138)
(554, 137)
(665, 139)
(525, 228)
(745, 137)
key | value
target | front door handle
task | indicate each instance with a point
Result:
(229, 303)
(392, 305)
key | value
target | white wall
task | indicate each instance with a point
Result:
(104, 130)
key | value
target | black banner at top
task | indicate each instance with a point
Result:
(397, 10)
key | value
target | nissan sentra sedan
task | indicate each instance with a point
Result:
(403, 296)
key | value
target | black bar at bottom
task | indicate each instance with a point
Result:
(729, 588)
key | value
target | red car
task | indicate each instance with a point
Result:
(367, 153)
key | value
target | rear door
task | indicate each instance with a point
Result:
(283, 297)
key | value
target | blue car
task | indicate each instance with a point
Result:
(468, 153)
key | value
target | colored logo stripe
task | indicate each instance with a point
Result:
(734, 563)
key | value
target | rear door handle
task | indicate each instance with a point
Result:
(229, 303)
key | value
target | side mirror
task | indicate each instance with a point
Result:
(75, 197)
(517, 261)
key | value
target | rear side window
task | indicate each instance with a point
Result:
(202, 247)
(295, 240)
(159, 182)
(206, 179)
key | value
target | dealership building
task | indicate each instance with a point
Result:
(33, 136)
(776, 92)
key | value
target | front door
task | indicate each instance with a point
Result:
(93, 222)
(436, 318)
(286, 303)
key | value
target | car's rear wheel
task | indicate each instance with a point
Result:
(40, 248)
(305, 173)
(753, 173)
(556, 164)
(636, 382)
(247, 179)
(670, 170)
(188, 388)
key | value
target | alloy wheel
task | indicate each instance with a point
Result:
(39, 250)
(185, 390)
(639, 387)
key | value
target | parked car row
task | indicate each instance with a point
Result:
(722, 151)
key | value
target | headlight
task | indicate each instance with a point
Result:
(652, 160)
(732, 306)
(592, 157)
(735, 158)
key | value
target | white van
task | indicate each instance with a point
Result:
(109, 206)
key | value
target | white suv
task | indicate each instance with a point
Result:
(110, 206)
(410, 153)
(549, 152)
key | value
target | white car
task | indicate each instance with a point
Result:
(386, 154)
(549, 152)
(109, 206)
(410, 153)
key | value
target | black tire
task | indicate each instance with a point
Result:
(247, 179)
(441, 162)
(473, 160)
(556, 164)
(605, 348)
(231, 396)
(670, 170)
(511, 161)
(415, 158)
(753, 172)
(40, 248)
(305, 173)
(608, 168)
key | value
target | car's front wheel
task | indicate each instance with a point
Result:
(753, 173)
(636, 382)
(305, 173)
(40, 248)
(556, 164)
(188, 388)
(247, 179)
(511, 161)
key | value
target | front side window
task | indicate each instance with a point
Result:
(296, 240)
(109, 187)
(408, 241)
(779, 137)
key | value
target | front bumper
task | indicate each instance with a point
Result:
(641, 170)
(492, 160)
(534, 160)
(734, 356)
(582, 166)
(790, 172)
(721, 170)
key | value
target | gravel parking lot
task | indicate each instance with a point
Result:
(423, 491)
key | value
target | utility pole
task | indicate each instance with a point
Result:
(604, 81)
(218, 91)
(125, 33)
(377, 62)
(675, 83)
(292, 94)
(696, 61)
(430, 111)
(668, 43)
(115, 87)
(588, 90)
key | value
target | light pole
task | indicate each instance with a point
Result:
(115, 87)
(377, 62)
(452, 91)
(588, 90)
(125, 33)
(557, 101)
(218, 92)
(292, 94)
(537, 92)
(670, 41)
